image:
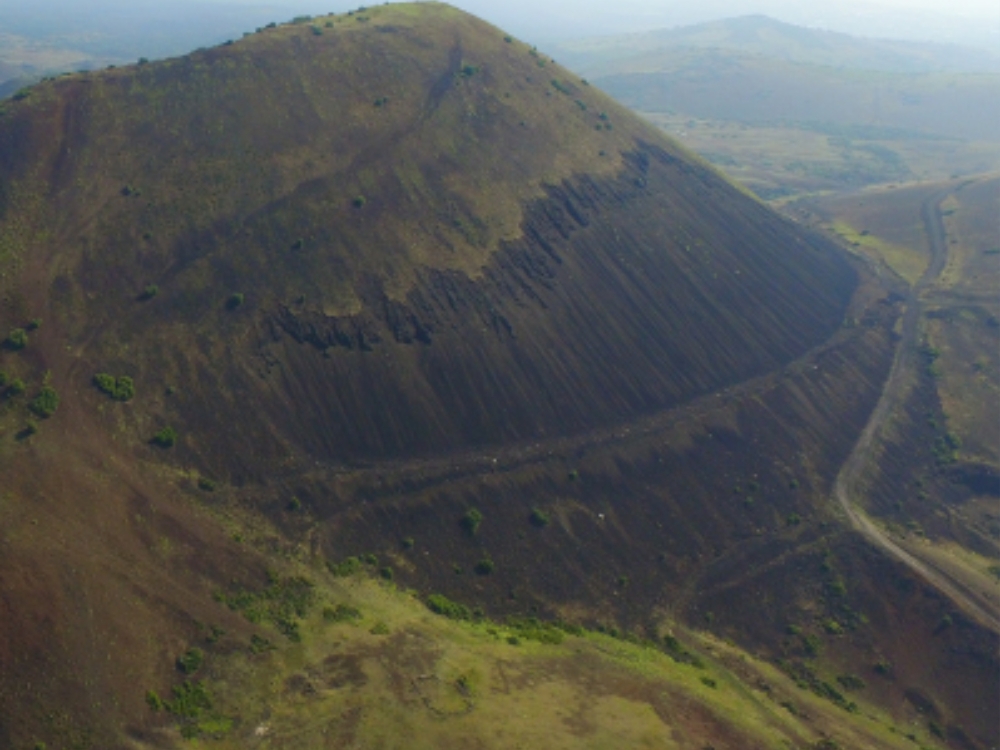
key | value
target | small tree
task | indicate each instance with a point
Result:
(165, 438)
(17, 339)
(472, 520)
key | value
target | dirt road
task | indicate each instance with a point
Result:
(971, 601)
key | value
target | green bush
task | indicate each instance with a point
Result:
(204, 483)
(472, 520)
(149, 292)
(485, 566)
(191, 660)
(341, 613)
(165, 438)
(539, 518)
(442, 605)
(17, 339)
(45, 403)
(120, 389)
(235, 300)
(347, 567)
(4, 379)
(359, 201)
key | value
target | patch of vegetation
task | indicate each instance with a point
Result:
(165, 438)
(341, 613)
(282, 603)
(347, 567)
(120, 389)
(806, 678)
(379, 628)
(191, 660)
(17, 339)
(472, 520)
(359, 201)
(485, 566)
(676, 651)
(539, 518)
(532, 629)
(149, 292)
(259, 644)
(442, 605)
(45, 403)
(206, 484)
(851, 682)
(235, 300)
(946, 448)
(407, 543)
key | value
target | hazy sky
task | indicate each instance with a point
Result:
(126, 28)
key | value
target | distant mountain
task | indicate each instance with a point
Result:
(758, 70)
(765, 37)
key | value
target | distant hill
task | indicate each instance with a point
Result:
(766, 37)
(876, 100)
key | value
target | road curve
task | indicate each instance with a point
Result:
(970, 601)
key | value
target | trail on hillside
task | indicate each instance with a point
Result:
(972, 602)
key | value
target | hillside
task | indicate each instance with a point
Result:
(390, 295)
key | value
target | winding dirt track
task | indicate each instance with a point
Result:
(972, 602)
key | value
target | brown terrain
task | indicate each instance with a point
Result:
(380, 270)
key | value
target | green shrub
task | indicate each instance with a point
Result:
(341, 613)
(149, 292)
(485, 566)
(165, 438)
(204, 483)
(346, 567)
(539, 518)
(851, 682)
(833, 627)
(153, 700)
(191, 660)
(709, 682)
(34, 324)
(386, 573)
(359, 201)
(407, 543)
(45, 403)
(120, 389)
(294, 505)
(235, 300)
(379, 628)
(442, 605)
(17, 339)
(190, 700)
(472, 520)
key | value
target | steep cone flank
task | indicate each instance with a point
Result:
(440, 237)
